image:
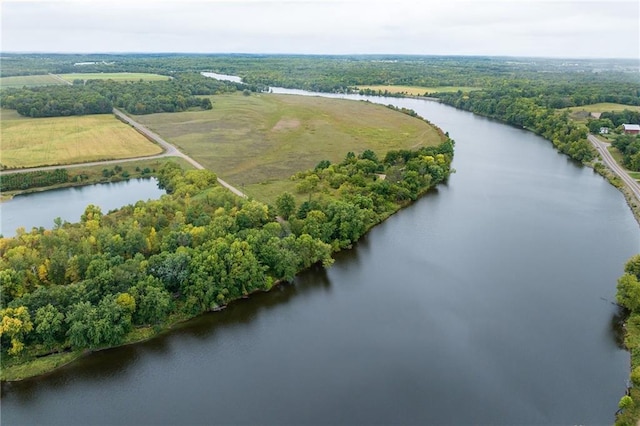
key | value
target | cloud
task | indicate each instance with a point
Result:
(520, 27)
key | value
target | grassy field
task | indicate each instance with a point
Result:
(118, 76)
(258, 142)
(420, 91)
(581, 113)
(29, 80)
(32, 142)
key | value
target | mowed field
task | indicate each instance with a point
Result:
(258, 142)
(420, 91)
(29, 81)
(32, 142)
(118, 76)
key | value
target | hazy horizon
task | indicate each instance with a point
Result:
(586, 29)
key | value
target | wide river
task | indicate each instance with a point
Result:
(488, 301)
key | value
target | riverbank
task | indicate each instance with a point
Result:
(79, 175)
(40, 364)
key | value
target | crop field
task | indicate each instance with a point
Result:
(258, 142)
(118, 76)
(420, 91)
(32, 142)
(29, 81)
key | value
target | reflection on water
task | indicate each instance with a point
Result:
(617, 326)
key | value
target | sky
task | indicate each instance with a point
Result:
(533, 28)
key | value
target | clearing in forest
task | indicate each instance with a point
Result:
(258, 142)
(32, 142)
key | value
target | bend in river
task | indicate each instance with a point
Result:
(486, 301)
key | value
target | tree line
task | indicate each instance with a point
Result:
(35, 179)
(510, 107)
(100, 96)
(90, 284)
(628, 297)
(629, 146)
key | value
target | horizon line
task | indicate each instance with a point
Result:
(124, 53)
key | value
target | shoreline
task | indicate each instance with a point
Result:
(149, 332)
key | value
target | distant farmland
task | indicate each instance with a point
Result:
(118, 76)
(258, 142)
(32, 142)
(29, 80)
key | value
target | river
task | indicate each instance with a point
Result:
(488, 301)
(41, 208)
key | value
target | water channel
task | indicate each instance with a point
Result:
(41, 208)
(488, 301)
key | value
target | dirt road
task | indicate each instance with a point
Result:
(169, 151)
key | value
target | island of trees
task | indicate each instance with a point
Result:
(119, 277)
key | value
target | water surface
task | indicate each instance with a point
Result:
(488, 301)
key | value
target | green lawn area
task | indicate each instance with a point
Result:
(420, 91)
(118, 76)
(29, 81)
(258, 142)
(617, 155)
(635, 175)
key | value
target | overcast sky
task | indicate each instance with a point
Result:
(582, 28)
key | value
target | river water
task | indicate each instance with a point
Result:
(41, 208)
(488, 301)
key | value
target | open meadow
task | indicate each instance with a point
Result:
(29, 81)
(116, 76)
(32, 142)
(419, 91)
(581, 113)
(258, 142)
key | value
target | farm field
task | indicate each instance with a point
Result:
(602, 107)
(419, 91)
(581, 113)
(258, 142)
(118, 76)
(29, 81)
(32, 142)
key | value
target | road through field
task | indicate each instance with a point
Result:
(613, 165)
(57, 77)
(169, 151)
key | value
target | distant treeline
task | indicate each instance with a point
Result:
(618, 118)
(100, 96)
(520, 111)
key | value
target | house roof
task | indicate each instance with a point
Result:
(631, 126)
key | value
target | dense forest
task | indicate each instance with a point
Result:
(90, 284)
